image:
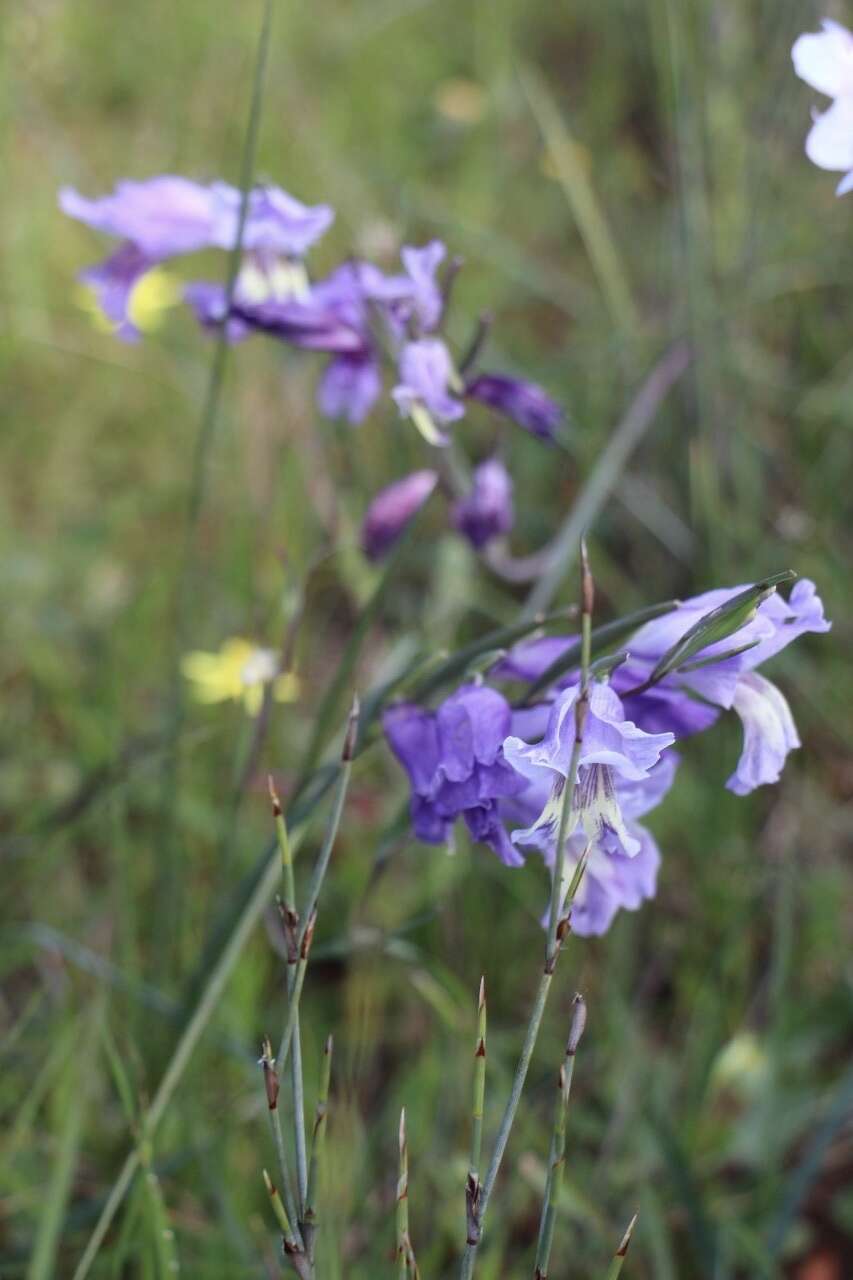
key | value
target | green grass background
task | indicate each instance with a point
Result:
(714, 1087)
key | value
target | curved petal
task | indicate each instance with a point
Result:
(769, 733)
(825, 59)
(830, 141)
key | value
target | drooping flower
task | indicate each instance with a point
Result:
(392, 509)
(239, 672)
(824, 60)
(614, 750)
(486, 512)
(455, 762)
(524, 402)
(423, 392)
(689, 700)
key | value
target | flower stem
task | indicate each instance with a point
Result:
(558, 917)
(317, 1143)
(403, 1202)
(619, 1256)
(556, 1159)
(472, 1188)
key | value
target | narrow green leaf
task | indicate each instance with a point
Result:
(606, 633)
(719, 624)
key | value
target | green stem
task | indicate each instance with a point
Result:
(556, 1158)
(619, 1257)
(403, 1203)
(317, 1143)
(207, 424)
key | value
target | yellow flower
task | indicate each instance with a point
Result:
(239, 672)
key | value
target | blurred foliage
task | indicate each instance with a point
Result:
(710, 1091)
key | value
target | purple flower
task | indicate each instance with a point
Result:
(525, 403)
(167, 216)
(486, 512)
(455, 762)
(688, 701)
(421, 265)
(162, 216)
(349, 387)
(392, 509)
(615, 753)
(422, 393)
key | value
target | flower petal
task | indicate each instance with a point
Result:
(769, 733)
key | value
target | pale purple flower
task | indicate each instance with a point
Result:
(168, 216)
(455, 762)
(524, 402)
(690, 700)
(825, 61)
(486, 512)
(392, 509)
(349, 387)
(614, 753)
(426, 372)
(421, 265)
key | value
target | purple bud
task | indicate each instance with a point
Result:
(524, 402)
(392, 509)
(486, 512)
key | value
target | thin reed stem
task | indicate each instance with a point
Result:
(317, 1143)
(171, 879)
(556, 1158)
(291, 920)
(615, 1267)
(472, 1188)
(271, 1088)
(306, 929)
(403, 1202)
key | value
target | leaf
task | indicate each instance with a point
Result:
(608, 631)
(718, 625)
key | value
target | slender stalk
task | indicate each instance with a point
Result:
(403, 1203)
(319, 874)
(558, 915)
(271, 1088)
(207, 423)
(291, 921)
(619, 1256)
(556, 1159)
(605, 475)
(291, 1245)
(291, 1022)
(317, 1143)
(472, 1188)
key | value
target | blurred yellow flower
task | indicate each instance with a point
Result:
(150, 298)
(462, 101)
(239, 672)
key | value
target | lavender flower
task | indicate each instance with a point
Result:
(525, 403)
(614, 749)
(392, 509)
(426, 372)
(455, 761)
(486, 512)
(168, 216)
(613, 880)
(825, 61)
(421, 265)
(688, 701)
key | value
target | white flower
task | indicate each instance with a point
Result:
(825, 61)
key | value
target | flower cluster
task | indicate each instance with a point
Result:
(504, 771)
(358, 317)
